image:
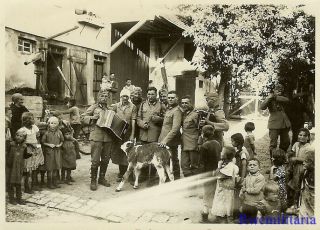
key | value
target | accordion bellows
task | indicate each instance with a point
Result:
(110, 120)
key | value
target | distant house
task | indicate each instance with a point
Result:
(80, 54)
(149, 49)
(155, 49)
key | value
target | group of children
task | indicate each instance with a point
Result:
(31, 151)
(242, 193)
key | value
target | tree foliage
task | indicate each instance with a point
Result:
(252, 43)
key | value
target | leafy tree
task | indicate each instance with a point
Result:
(252, 43)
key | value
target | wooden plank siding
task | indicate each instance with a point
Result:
(128, 61)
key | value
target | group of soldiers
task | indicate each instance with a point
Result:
(160, 118)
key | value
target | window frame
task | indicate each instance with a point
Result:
(22, 45)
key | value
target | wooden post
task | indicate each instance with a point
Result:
(127, 35)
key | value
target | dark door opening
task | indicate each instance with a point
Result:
(186, 85)
(97, 76)
(54, 79)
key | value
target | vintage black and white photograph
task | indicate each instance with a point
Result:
(141, 112)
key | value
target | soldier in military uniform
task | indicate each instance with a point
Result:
(163, 97)
(149, 120)
(278, 123)
(150, 117)
(102, 141)
(215, 117)
(190, 135)
(170, 132)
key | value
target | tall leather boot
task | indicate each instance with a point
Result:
(102, 173)
(94, 172)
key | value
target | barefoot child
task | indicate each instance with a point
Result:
(16, 153)
(52, 141)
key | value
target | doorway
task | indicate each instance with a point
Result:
(54, 80)
(186, 85)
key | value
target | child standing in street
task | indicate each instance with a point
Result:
(296, 158)
(32, 164)
(227, 172)
(210, 155)
(52, 141)
(250, 139)
(69, 150)
(252, 189)
(241, 160)
(242, 155)
(16, 153)
(278, 174)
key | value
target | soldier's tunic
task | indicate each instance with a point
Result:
(190, 134)
(145, 115)
(102, 140)
(170, 135)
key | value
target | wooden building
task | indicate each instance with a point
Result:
(75, 53)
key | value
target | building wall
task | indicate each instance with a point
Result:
(20, 75)
(129, 61)
(175, 65)
(16, 73)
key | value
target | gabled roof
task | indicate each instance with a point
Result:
(46, 19)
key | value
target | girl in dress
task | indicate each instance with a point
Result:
(278, 174)
(34, 148)
(52, 141)
(70, 147)
(227, 172)
(296, 158)
(241, 160)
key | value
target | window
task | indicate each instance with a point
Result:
(189, 50)
(200, 84)
(25, 45)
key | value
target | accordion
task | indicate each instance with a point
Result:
(110, 120)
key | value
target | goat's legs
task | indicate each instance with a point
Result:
(161, 173)
(137, 171)
(169, 172)
(125, 176)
